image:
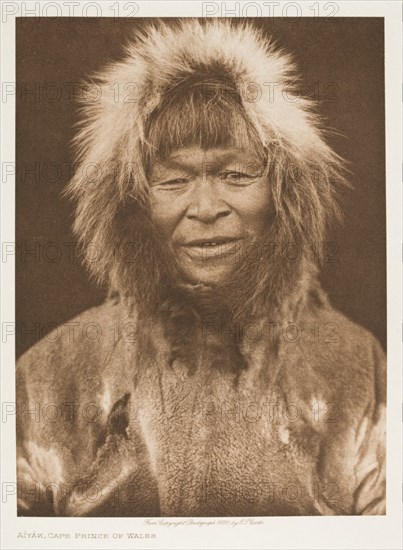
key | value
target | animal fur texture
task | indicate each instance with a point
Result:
(112, 139)
(170, 399)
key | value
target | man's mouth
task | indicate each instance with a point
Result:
(213, 241)
(211, 248)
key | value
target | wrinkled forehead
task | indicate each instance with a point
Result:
(195, 160)
(206, 116)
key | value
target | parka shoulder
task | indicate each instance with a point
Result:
(332, 362)
(76, 348)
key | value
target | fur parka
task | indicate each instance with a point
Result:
(129, 412)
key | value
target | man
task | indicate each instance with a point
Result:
(216, 380)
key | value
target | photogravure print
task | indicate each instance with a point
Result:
(217, 379)
(218, 364)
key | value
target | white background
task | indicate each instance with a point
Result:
(270, 532)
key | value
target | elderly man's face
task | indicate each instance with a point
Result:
(209, 205)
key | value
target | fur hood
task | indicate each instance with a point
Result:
(110, 185)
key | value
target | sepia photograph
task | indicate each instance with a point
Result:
(201, 275)
(224, 352)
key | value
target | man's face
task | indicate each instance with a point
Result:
(209, 205)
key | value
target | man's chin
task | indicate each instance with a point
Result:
(208, 267)
(209, 276)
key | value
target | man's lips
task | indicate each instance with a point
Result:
(210, 241)
(214, 248)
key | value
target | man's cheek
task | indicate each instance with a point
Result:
(254, 221)
(252, 205)
(163, 218)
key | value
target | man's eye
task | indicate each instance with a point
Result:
(236, 177)
(177, 182)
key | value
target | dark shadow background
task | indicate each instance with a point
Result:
(341, 61)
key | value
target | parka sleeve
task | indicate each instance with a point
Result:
(45, 393)
(370, 459)
(38, 468)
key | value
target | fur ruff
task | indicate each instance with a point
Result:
(303, 171)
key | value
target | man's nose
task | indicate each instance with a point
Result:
(206, 204)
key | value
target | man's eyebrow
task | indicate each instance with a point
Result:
(162, 171)
(186, 163)
(179, 164)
